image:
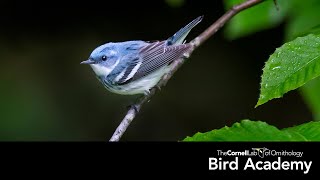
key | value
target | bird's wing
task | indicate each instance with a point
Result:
(157, 55)
(179, 36)
(152, 57)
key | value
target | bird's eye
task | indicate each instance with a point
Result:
(104, 58)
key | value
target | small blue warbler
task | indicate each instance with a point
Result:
(134, 67)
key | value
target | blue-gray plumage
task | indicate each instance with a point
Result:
(134, 67)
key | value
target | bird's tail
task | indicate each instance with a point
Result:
(179, 36)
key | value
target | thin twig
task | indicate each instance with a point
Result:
(134, 110)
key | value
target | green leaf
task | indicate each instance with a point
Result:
(248, 130)
(289, 67)
(311, 94)
(305, 19)
(309, 131)
(256, 18)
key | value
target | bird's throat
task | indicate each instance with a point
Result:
(101, 70)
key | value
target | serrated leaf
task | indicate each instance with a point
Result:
(248, 130)
(289, 67)
(311, 94)
(259, 17)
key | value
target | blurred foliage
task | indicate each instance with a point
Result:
(300, 15)
(303, 16)
(175, 3)
(256, 18)
(26, 113)
(290, 67)
(311, 94)
(314, 30)
(248, 130)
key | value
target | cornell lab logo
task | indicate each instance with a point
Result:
(279, 164)
(260, 151)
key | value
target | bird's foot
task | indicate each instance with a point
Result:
(146, 92)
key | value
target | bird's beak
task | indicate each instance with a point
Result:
(89, 61)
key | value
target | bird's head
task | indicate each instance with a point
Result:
(103, 59)
(104, 55)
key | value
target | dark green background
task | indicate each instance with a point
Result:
(45, 94)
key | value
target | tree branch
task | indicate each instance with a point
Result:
(134, 109)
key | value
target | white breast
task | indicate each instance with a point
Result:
(142, 85)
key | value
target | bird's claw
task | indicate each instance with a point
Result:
(146, 92)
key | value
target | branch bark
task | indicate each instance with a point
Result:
(199, 40)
